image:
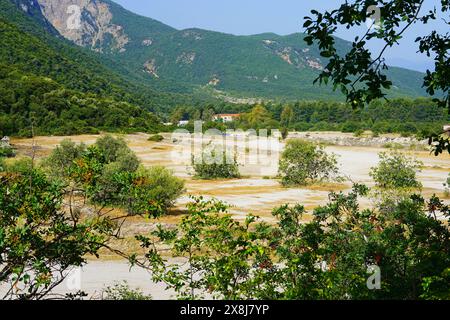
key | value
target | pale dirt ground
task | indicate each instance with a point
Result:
(255, 193)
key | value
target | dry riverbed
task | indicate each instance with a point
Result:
(256, 193)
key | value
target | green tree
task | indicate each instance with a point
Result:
(41, 236)
(257, 117)
(287, 116)
(219, 254)
(177, 115)
(396, 171)
(108, 173)
(63, 157)
(216, 164)
(366, 80)
(304, 162)
(334, 256)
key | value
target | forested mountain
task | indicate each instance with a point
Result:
(58, 81)
(265, 65)
(60, 88)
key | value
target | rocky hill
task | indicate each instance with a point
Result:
(265, 65)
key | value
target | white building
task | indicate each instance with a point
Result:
(183, 123)
(227, 117)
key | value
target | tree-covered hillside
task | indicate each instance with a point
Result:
(267, 65)
(29, 44)
(207, 64)
(262, 66)
(50, 84)
(36, 105)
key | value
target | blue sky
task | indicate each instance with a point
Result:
(244, 17)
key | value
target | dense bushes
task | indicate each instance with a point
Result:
(420, 117)
(215, 164)
(304, 162)
(396, 171)
(122, 291)
(112, 176)
(156, 138)
(343, 253)
(40, 242)
(28, 101)
(6, 152)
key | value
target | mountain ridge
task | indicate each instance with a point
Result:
(265, 65)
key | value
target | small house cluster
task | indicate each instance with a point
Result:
(227, 117)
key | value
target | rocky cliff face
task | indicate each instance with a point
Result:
(88, 23)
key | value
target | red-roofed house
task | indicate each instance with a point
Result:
(227, 117)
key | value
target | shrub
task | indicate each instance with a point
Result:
(22, 165)
(63, 157)
(122, 291)
(304, 162)
(148, 192)
(127, 160)
(335, 256)
(396, 171)
(157, 184)
(111, 147)
(350, 126)
(156, 138)
(108, 171)
(39, 241)
(216, 164)
(6, 152)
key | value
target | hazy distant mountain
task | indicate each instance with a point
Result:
(265, 65)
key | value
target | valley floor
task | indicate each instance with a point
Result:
(256, 193)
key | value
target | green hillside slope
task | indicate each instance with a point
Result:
(266, 65)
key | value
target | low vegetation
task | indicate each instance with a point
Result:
(39, 241)
(396, 171)
(386, 256)
(112, 175)
(156, 138)
(215, 164)
(304, 163)
(122, 291)
(56, 213)
(6, 152)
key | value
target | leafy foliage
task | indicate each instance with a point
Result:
(220, 254)
(396, 171)
(110, 174)
(215, 164)
(39, 241)
(304, 162)
(122, 291)
(361, 77)
(6, 152)
(156, 138)
(331, 257)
